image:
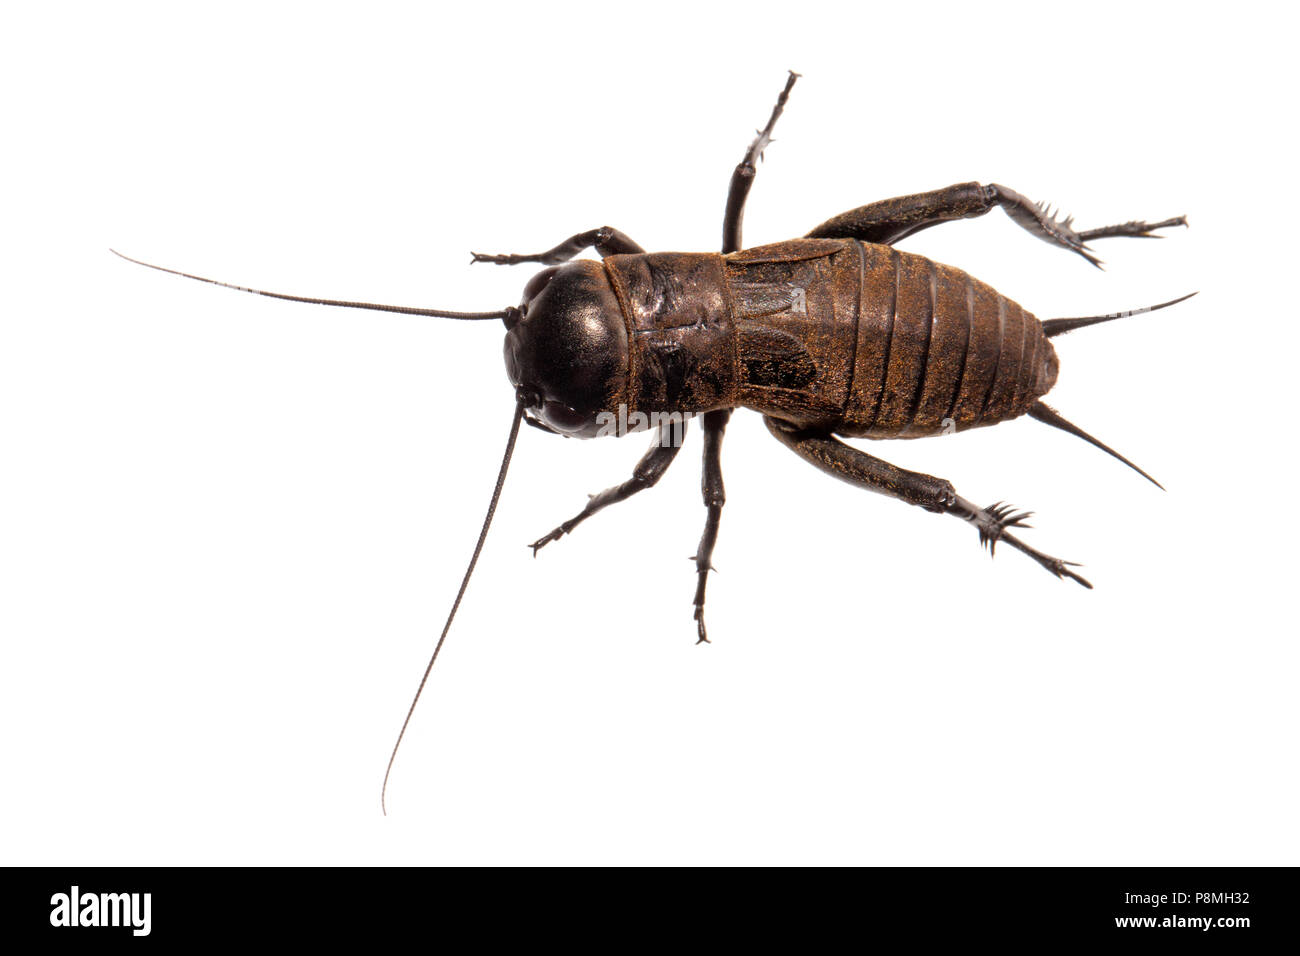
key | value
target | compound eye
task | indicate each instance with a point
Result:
(562, 416)
(537, 283)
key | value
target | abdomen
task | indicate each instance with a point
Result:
(879, 343)
(938, 350)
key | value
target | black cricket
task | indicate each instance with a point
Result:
(835, 334)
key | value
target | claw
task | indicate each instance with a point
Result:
(546, 539)
(1059, 568)
(699, 622)
(1062, 570)
(504, 259)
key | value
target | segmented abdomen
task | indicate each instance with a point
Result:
(938, 351)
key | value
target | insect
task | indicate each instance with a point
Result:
(837, 334)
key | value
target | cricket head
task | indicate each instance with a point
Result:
(566, 349)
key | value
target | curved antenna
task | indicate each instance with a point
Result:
(482, 536)
(506, 314)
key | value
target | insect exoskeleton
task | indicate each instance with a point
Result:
(836, 333)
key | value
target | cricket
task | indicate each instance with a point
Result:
(837, 334)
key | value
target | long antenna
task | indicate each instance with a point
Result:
(482, 536)
(403, 309)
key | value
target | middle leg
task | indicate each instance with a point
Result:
(715, 496)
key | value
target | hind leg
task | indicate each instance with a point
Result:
(933, 494)
(890, 220)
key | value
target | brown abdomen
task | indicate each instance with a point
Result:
(938, 351)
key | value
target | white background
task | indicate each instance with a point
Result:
(231, 527)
